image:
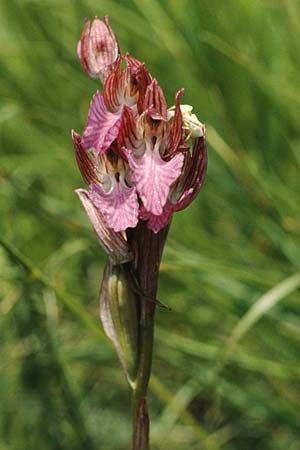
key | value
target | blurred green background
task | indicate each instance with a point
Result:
(226, 363)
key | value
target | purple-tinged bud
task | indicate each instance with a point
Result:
(98, 48)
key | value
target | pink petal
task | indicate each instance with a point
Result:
(102, 126)
(113, 243)
(119, 206)
(157, 223)
(153, 177)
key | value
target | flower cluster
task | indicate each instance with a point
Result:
(134, 152)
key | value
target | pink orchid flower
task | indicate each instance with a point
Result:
(110, 191)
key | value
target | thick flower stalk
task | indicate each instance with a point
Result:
(142, 162)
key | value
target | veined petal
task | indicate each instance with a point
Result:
(118, 89)
(85, 160)
(153, 177)
(129, 135)
(155, 99)
(111, 87)
(132, 62)
(119, 206)
(176, 128)
(102, 126)
(114, 244)
(157, 223)
(193, 175)
(141, 78)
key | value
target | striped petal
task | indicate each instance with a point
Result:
(119, 206)
(86, 161)
(141, 77)
(129, 136)
(153, 177)
(176, 134)
(155, 99)
(119, 89)
(102, 126)
(192, 178)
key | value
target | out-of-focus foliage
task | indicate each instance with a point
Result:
(224, 377)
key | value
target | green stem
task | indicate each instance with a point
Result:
(139, 393)
(144, 370)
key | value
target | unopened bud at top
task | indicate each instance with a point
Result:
(98, 48)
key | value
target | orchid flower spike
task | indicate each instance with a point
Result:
(134, 152)
(142, 162)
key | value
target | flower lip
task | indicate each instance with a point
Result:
(119, 204)
(153, 176)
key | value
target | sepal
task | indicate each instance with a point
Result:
(119, 316)
(192, 177)
(86, 161)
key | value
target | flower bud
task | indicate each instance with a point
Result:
(98, 48)
(118, 312)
